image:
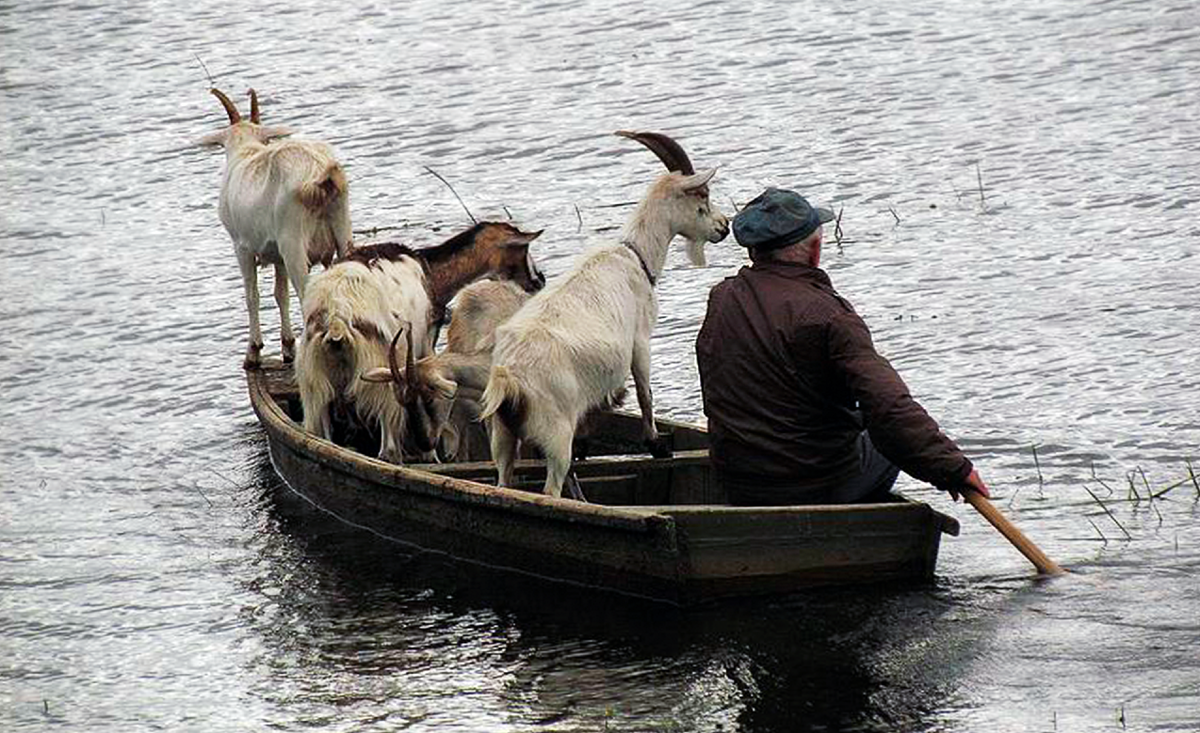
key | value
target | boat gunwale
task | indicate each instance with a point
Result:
(404, 478)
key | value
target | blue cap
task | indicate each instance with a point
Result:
(777, 218)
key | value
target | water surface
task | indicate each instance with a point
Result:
(1017, 182)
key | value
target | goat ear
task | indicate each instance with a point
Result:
(694, 182)
(522, 239)
(214, 140)
(446, 388)
(377, 375)
(271, 132)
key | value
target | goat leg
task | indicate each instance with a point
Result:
(641, 383)
(659, 447)
(389, 444)
(556, 445)
(504, 452)
(318, 418)
(248, 264)
(287, 338)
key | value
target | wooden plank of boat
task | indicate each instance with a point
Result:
(656, 528)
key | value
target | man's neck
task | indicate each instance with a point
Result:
(787, 256)
(807, 252)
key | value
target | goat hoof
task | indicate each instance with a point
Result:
(288, 350)
(658, 447)
(253, 357)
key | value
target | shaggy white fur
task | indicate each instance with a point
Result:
(357, 307)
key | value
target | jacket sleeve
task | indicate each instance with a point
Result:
(899, 427)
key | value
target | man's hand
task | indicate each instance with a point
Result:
(973, 483)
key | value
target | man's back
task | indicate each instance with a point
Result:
(778, 408)
(790, 377)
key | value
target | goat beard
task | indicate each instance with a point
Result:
(695, 252)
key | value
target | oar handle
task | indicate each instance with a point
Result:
(1045, 565)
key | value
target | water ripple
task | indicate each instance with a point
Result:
(1018, 195)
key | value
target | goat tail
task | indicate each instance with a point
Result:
(503, 398)
(319, 193)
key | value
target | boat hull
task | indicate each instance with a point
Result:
(656, 528)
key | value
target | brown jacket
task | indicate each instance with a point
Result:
(790, 378)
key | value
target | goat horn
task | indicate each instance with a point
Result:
(667, 150)
(398, 383)
(254, 108)
(409, 367)
(230, 109)
(423, 433)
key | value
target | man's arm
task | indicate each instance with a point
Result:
(901, 429)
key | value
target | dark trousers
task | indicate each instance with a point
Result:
(873, 481)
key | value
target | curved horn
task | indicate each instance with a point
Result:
(421, 427)
(409, 365)
(398, 383)
(667, 150)
(419, 420)
(230, 108)
(254, 108)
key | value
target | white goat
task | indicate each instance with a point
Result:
(574, 344)
(285, 204)
(358, 306)
(450, 384)
(477, 311)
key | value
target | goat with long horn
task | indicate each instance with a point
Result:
(230, 108)
(574, 344)
(399, 379)
(420, 424)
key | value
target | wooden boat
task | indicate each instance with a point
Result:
(653, 527)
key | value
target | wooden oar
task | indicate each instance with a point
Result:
(1045, 565)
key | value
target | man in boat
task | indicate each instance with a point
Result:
(801, 407)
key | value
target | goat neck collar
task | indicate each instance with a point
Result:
(649, 275)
